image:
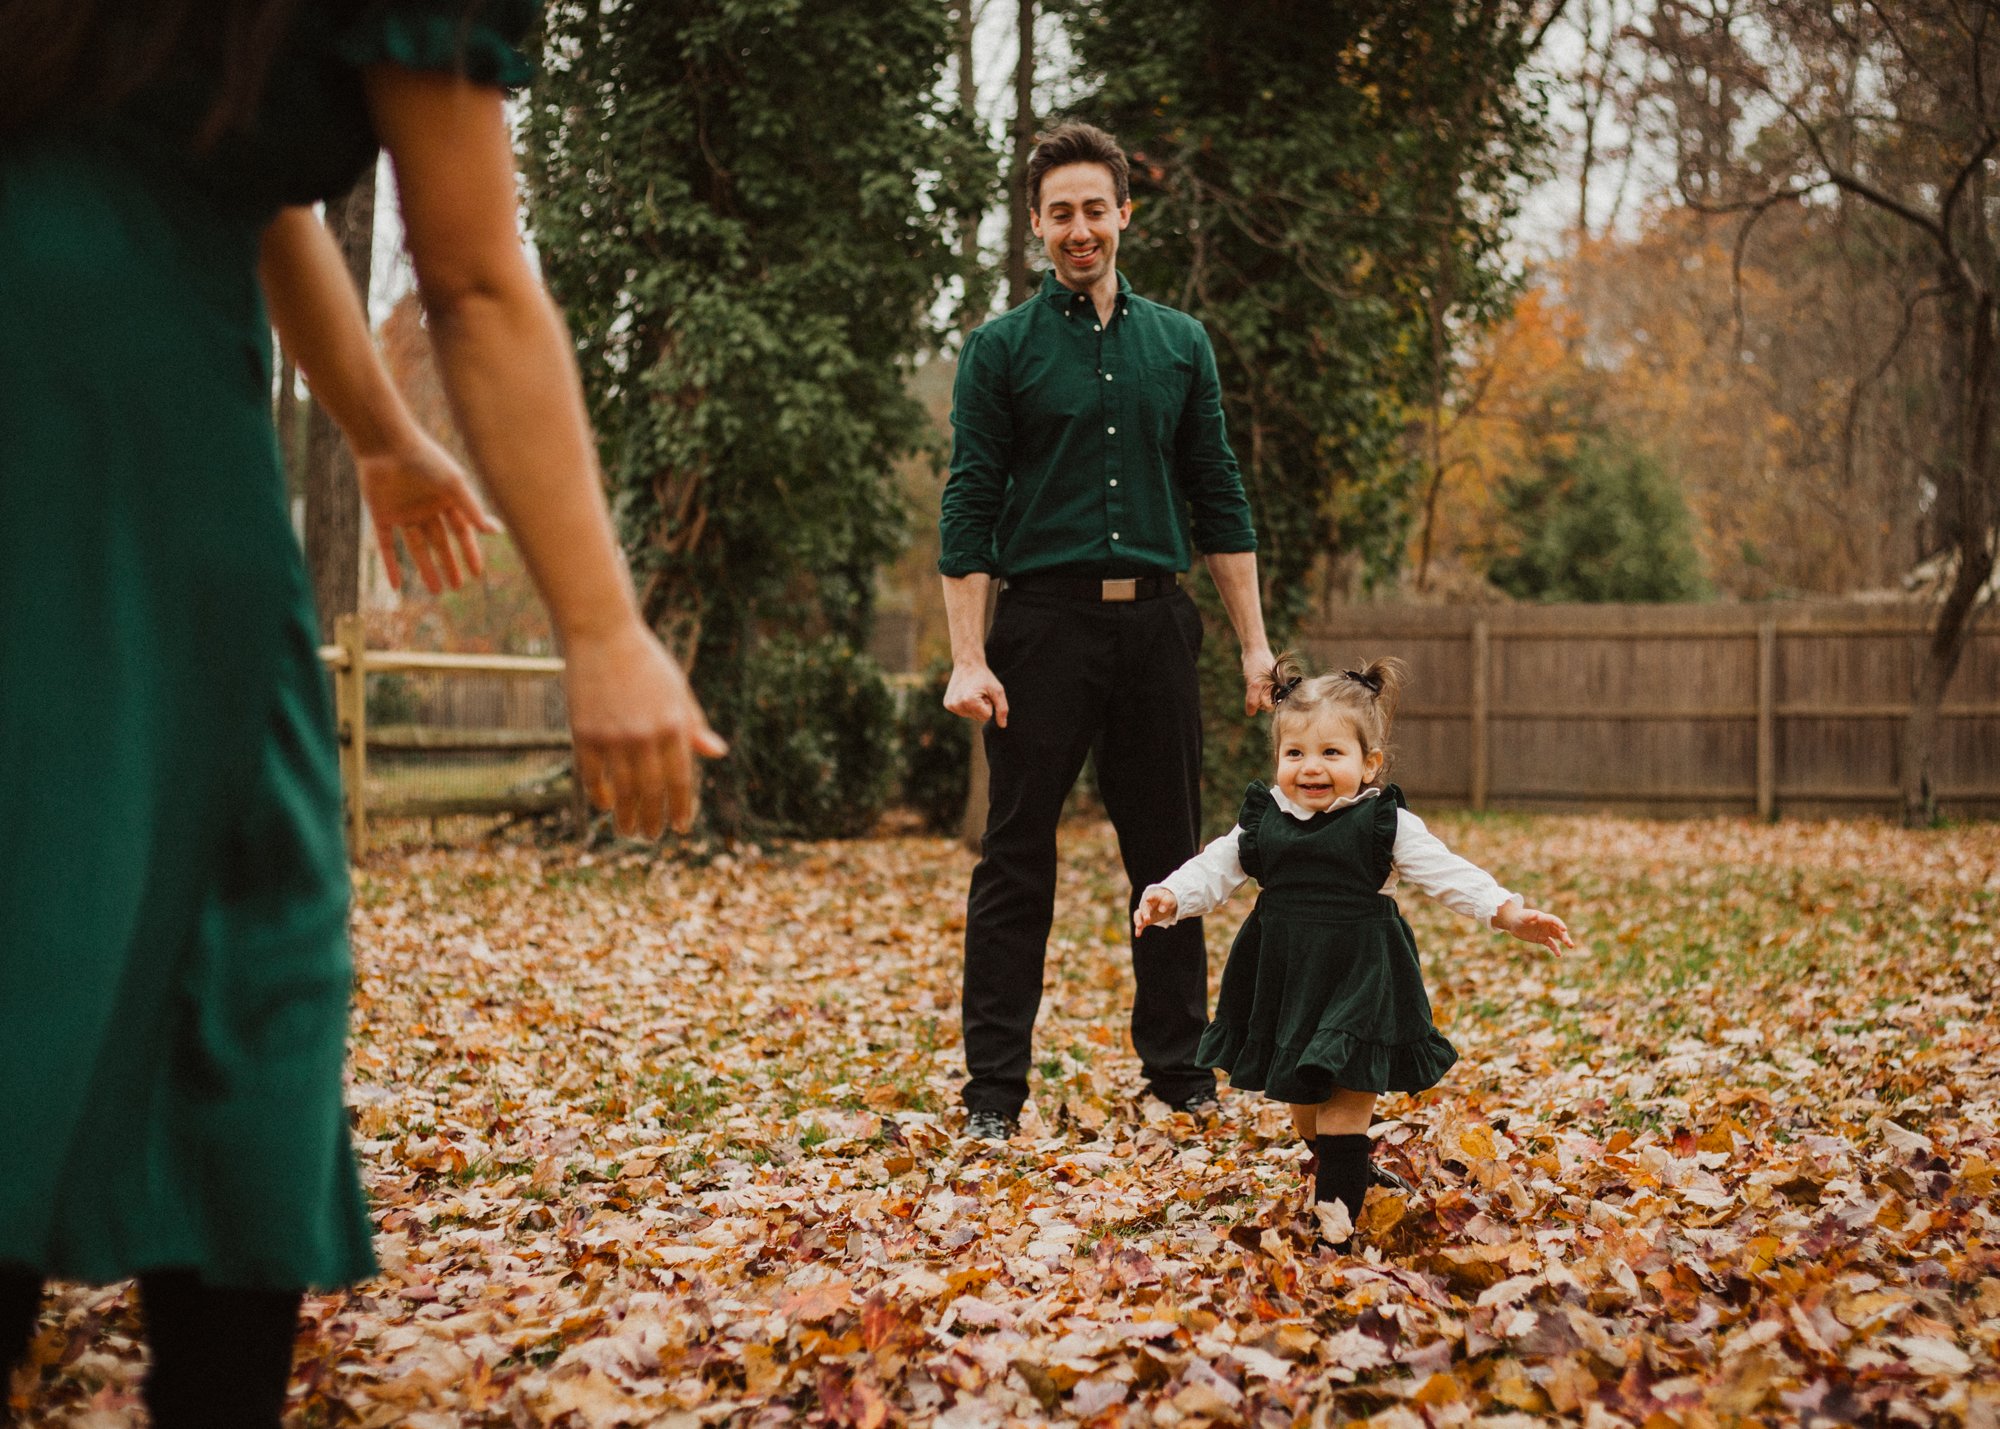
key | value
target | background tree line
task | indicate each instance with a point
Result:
(1754, 360)
(761, 215)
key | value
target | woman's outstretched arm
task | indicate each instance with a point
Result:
(508, 368)
(410, 483)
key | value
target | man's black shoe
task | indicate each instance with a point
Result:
(1199, 1104)
(1389, 1180)
(991, 1126)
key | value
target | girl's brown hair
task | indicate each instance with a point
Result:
(1367, 697)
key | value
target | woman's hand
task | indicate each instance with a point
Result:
(1532, 926)
(1156, 905)
(637, 728)
(417, 489)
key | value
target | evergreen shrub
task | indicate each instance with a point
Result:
(814, 739)
(937, 753)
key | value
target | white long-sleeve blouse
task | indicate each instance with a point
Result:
(1205, 881)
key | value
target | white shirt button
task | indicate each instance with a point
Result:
(1114, 535)
(1097, 327)
(1107, 377)
(1110, 431)
(1114, 481)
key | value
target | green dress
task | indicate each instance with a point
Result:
(174, 968)
(1322, 989)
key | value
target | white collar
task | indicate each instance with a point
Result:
(1300, 811)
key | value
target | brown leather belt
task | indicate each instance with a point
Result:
(1090, 588)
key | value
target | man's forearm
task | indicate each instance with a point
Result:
(1235, 577)
(965, 599)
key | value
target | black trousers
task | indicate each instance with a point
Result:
(1116, 681)
(221, 1358)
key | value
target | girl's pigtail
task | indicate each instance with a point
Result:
(1384, 680)
(1286, 673)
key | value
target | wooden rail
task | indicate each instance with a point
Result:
(351, 662)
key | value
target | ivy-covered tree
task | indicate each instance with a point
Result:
(748, 210)
(1327, 188)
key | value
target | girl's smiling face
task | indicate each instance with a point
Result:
(1320, 759)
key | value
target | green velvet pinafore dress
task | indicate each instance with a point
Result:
(174, 968)
(1322, 990)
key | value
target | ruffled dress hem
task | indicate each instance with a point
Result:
(1334, 1059)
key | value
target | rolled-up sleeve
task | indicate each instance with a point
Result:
(1205, 465)
(982, 437)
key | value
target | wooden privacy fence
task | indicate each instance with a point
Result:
(352, 663)
(1793, 708)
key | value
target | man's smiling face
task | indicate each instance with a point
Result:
(1079, 220)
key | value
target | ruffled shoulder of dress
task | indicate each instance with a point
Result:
(480, 39)
(1256, 799)
(1386, 804)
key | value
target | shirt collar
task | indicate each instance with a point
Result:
(1067, 300)
(1300, 811)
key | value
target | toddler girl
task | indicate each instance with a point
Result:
(1322, 1005)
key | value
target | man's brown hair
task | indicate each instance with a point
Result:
(1076, 143)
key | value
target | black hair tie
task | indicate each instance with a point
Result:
(1281, 692)
(1372, 683)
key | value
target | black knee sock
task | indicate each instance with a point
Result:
(221, 1357)
(20, 1299)
(1343, 1171)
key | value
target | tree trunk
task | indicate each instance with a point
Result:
(972, 823)
(333, 499)
(1969, 502)
(285, 415)
(977, 293)
(1018, 291)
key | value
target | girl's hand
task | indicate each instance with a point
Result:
(1156, 905)
(638, 729)
(415, 487)
(1532, 926)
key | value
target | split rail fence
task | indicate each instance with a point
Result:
(502, 751)
(1793, 708)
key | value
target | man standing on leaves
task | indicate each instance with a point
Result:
(1089, 463)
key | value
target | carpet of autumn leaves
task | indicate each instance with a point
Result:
(660, 1141)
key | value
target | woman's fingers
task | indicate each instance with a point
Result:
(466, 533)
(593, 775)
(385, 537)
(417, 538)
(438, 533)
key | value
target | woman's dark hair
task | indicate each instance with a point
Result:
(73, 59)
(1076, 143)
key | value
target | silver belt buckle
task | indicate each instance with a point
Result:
(1121, 590)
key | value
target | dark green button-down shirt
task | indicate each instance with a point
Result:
(1090, 448)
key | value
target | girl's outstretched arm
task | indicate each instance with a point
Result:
(512, 379)
(1156, 905)
(1533, 926)
(1202, 883)
(1464, 887)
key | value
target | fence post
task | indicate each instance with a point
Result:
(1482, 680)
(351, 714)
(1767, 735)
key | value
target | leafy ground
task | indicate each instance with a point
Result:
(659, 1143)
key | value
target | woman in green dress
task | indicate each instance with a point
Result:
(174, 970)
